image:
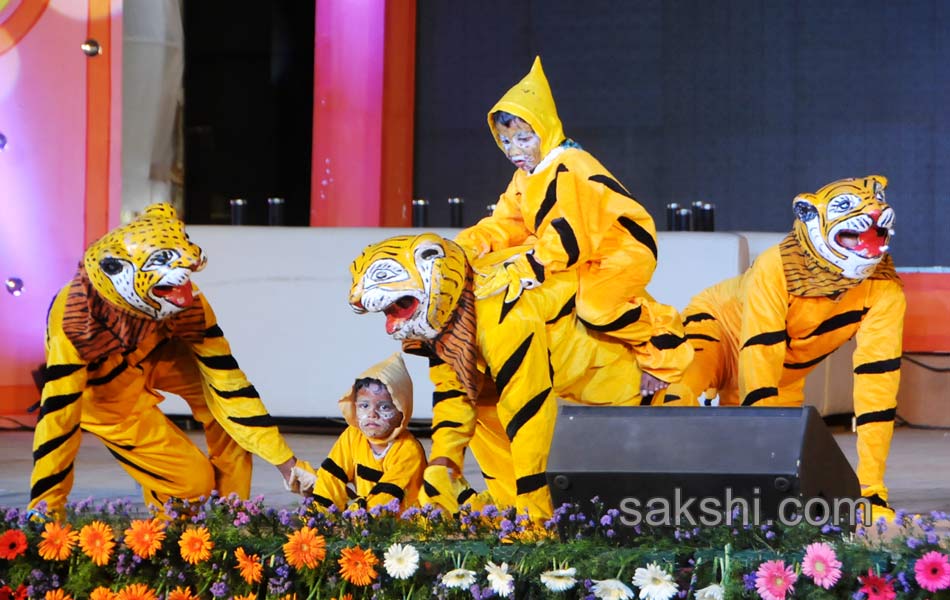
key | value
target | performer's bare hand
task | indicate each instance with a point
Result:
(286, 469)
(650, 385)
(441, 461)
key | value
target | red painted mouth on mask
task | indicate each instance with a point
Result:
(870, 243)
(399, 311)
(179, 295)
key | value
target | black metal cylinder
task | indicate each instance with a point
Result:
(420, 212)
(456, 212)
(697, 217)
(275, 211)
(491, 209)
(238, 211)
(709, 212)
(683, 220)
(671, 209)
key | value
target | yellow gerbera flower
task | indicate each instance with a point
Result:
(145, 537)
(196, 545)
(249, 566)
(136, 591)
(305, 548)
(58, 541)
(356, 565)
(96, 541)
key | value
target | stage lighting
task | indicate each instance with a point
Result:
(14, 285)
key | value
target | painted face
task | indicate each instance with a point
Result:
(145, 267)
(846, 225)
(521, 144)
(376, 413)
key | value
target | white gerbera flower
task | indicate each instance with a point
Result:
(401, 561)
(654, 583)
(559, 580)
(710, 592)
(458, 578)
(612, 589)
(502, 583)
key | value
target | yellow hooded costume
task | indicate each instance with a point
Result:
(396, 473)
(577, 216)
(130, 323)
(758, 335)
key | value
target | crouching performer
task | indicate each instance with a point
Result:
(498, 363)
(758, 335)
(131, 323)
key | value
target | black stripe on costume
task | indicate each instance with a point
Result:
(568, 240)
(670, 398)
(465, 495)
(245, 392)
(838, 321)
(51, 445)
(486, 475)
(138, 468)
(214, 332)
(49, 482)
(264, 420)
(879, 416)
(667, 341)
(442, 424)
(876, 500)
(550, 198)
(512, 364)
(435, 361)
(878, 366)
(440, 396)
(612, 184)
(759, 394)
(627, 318)
(807, 363)
(222, 363)
(385, 487)
(54, 403)
(506, 308)
(525, 414)
(368, 473)
(697, 317)
(567, 309)
(639, 233)
(766, 339)
(701, 336)
(530, 483)
(115, 372)
(330, 466)
(59, 371)
(430, 489)
(322, 501)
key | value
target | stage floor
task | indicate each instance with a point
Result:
(918, 475)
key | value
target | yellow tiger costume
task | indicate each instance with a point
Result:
(576, 216)
(497, 383)
(130, 323)
(758, 335)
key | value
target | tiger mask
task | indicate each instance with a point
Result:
(846, 225)
(415, 281)
(145, 267)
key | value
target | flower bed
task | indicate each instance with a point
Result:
(227, 548)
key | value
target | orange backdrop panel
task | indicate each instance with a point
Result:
(927, 323)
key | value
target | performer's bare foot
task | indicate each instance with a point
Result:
(650, 385)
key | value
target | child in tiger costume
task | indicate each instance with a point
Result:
(575, 216)
(758, 335)
(128, 324)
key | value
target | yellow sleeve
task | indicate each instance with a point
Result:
(232, 399)
(336, 471)
(402, 474)
(504, 228)
(762, 335)
(877, 360)
(57, 435)
(453, 414)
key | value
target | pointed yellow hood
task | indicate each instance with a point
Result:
(393, 374)
(531, 100)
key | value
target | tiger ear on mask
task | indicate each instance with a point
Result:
(804, 207)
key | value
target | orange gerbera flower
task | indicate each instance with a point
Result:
(251, 596)
(181, 593)
(291, 596)
(144, 537)
(57, 594)
(196, 545)
(344, 597)
(12, 544)
(305, 548)
(102, 593)
(249, 566)
(58, 541)
(136, 591)
(356, 565)
(96, 541)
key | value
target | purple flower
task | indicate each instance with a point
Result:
(748, 580)
(242, 518)
(913, 543)
(219, 589)
(769, 535)
(902, 578)
(606, 520)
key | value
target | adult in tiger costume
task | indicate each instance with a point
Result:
(130, 323)
(575, 216)
(498, 366)
(758, 335)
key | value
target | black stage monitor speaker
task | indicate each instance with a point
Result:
(694, 466)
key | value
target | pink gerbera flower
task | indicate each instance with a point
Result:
(933, 571)
(876, 587)
(773, 580)
(822, 565)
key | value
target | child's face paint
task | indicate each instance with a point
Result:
(376, 413)
(522, 145)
